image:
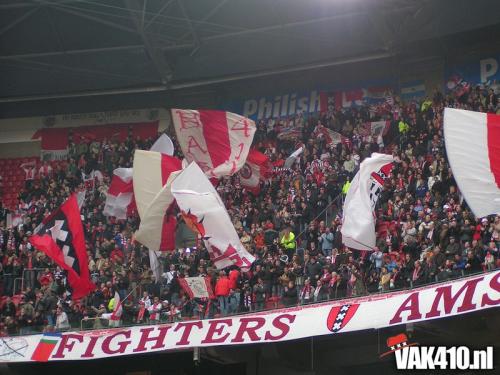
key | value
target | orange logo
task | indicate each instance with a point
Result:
(193, 223)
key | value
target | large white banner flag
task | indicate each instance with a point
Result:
(217, 141)
(473, 148)
(201, 205)
(358, 225)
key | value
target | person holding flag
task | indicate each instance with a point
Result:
(60, 236)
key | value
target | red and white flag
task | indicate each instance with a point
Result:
(61, 238)
(217, 141)
(153, 174)
(120, 194)
(331, 136)
(116, 314)
(197, 287)
(358, 224)
(256, 169)
(200, 203)
(473, 147)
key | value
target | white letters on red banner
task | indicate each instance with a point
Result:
(217, 141)
(370, 312)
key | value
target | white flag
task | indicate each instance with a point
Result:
(197, 287)
(203, 208)
(291, 159)
(358, 225)
(163, 145)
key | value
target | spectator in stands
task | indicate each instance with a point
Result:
(222, 288)
(62, 321)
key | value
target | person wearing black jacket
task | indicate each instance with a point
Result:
(290, 294)
(472, 264)
(313, 270)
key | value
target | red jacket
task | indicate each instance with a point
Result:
(233, 278)
(222, 287)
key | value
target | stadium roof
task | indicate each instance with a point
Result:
(52, 48)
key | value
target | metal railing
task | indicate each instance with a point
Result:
(268, 305)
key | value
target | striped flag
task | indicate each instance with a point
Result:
(217, 141)
(473, 147)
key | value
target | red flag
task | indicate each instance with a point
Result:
(256, 169)
(60, 236)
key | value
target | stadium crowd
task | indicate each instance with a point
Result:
(426, 233)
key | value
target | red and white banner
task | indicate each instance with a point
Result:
(358, 224)
(120, 194)
(473, 148)
(370, 312)
(153, 174)
(256, 169)
(197, 287)
(203, 209)
(217, 141)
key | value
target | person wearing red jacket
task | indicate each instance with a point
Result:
(222, 287)
(234, 276)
